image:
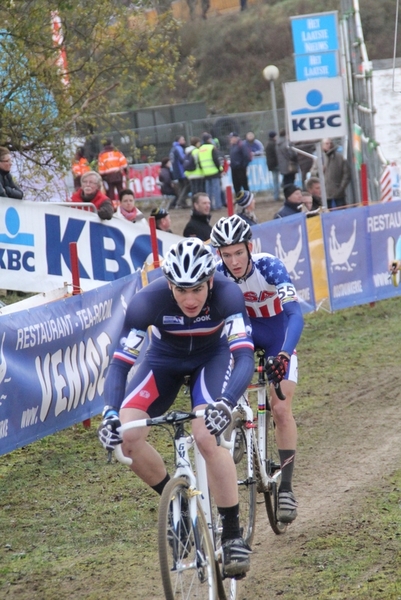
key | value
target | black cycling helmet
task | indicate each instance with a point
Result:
(189, 263)
(229, 231)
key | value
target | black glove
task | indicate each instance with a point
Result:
(107, 432)
(218, 416)
(276, 367)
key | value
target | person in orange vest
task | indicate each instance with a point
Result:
(79, 167)
(111, 166)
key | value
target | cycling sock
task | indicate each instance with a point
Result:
(160, 486)
(230, 522)
(287, 459)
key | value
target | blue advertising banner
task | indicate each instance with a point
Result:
(53, 360)
(313, 66)
(315, 33)
(383, 228)
(35, 242)
(288, 240)
(359, 245)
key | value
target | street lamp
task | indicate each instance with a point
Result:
(271, 73)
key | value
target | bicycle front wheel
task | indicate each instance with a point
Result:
(244, 462)
(186, 554)
(273, 471)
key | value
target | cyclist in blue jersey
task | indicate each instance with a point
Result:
(200, 329)
(277, 323)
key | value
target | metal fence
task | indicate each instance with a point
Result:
(154, 142)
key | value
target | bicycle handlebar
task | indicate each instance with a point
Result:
(277, 386)
(167, 419)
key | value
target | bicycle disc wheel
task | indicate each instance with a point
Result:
(272, 468)
(186, 554)
(246, 483)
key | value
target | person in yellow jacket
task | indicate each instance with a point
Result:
(79, 167)
(210, 163)
(193, 171)
(111, 166)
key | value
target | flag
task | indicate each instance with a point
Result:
(58, 42)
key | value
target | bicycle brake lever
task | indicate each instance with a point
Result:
(279, 392)
(221, 441)
(120, 456)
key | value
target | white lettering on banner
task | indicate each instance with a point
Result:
(29, 417)
(323, 71)
(101, 312)
(304, 294)
(381, 279)
(257, 175)
(313, 23)
(382, 222)
(347, 289)
(316, 47)
(320, 34)
(83, 368)
(42, 333)
(4, 428)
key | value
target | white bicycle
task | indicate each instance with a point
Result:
(190, 553)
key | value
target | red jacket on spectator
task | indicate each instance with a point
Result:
(100, 200)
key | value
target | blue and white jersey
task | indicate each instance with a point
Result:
(176, 339)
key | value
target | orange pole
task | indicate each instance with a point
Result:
(153, 241)
(76, 289)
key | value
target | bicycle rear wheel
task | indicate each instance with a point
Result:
(273, 470)
(186, 554)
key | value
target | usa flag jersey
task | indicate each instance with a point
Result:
(272, 304)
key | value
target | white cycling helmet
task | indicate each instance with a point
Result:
(189, 263)
(229, 231)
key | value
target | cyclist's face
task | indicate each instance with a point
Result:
(191, 300)
(236, 259)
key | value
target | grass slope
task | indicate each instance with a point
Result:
(74, 526)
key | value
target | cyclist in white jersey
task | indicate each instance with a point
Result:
(277, 322)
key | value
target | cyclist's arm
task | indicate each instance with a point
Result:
(123, 360)
(294, 326)
(241, 345)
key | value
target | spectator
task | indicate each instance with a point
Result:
(166, 182)
(308, 201)
(8, 188)
(90, 192)
(162, 218)
(293, 202)
(193, 171)
(79, 167)
(337, 174)
(210, 164)
(239, 161)
(177, 157)
(246, 203)
(287, 160)
(313, 187)
(127, 208)
(272, 163)
(111, 165)
(199, 223)
(255, 147)
(305, 162)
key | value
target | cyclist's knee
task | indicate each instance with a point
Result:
(282, 413)
(206, 443)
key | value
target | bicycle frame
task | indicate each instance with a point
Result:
(195, 476)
